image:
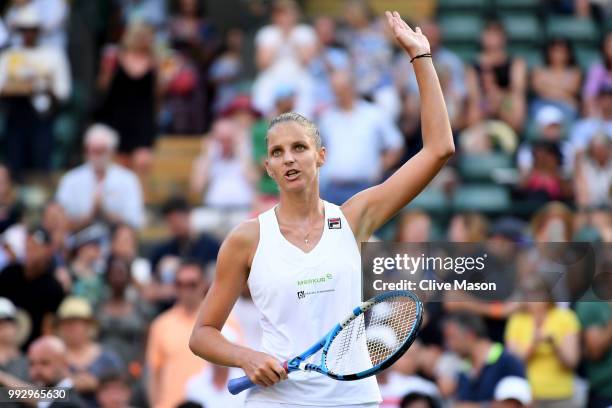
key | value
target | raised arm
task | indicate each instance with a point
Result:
(230, 278)
(370, 209)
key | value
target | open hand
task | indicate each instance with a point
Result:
(413, 41)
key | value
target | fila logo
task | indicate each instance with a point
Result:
(334, 223)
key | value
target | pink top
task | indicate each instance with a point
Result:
(597, 78)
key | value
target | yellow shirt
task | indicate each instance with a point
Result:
(548, 377)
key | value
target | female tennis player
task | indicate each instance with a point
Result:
(301, 259)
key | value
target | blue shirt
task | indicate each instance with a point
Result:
(500, 364)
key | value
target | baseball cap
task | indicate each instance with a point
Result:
(241, 103)
(549, 115)
(513, 388)
(93, 234)
(510, 228)
(8, 311)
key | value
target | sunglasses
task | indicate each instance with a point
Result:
(187, 284)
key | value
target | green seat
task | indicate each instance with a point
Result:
(587, 56)
(65, 133)
(467, 52)
(523, 29)
(480, 167)
(432, 200)
(471, 5)
(516, 5)
(488, 198)
(531, 54)
(578, 30)
(461, 28)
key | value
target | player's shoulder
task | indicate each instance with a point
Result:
(242, 241)
(245, 234)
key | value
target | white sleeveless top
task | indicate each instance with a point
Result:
(301, 297)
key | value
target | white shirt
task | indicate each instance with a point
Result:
(228, 185)
(200, 389)
(122, 193)
(271, 36)
(301, 297)
(355, 141)
(48, 66)
(65, 383)
(599, 181)
(286, 69)
(585, 129)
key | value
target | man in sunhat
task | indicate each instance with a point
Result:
(31, 285)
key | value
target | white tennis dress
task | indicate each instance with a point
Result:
(302, 296)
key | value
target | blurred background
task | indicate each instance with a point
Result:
(132, 140)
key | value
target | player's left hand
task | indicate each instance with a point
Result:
(413, 41)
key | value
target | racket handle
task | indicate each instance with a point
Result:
(237, 385)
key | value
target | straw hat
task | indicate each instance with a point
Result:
(8, 311)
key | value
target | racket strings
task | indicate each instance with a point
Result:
(372, 337)
(388, 331)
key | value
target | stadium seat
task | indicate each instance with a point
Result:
(172, 164)
(488, 198)
(432, 200)
(467, 52)
(517, 5)
(65, 134)
(461, 28)
(531, 54)
(580, 31)
(480, 167)
(466, 5)
(523, 29)
(587, 56)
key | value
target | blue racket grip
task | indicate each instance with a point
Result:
(237, 385)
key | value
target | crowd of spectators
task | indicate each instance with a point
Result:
(86, 303)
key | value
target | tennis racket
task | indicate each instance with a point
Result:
(369, 340)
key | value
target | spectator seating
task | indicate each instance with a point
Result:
(523, 29)
(461, 28)
(581, 31)
(433, 200)
(506, 6)
(172, 161)
(481, 167)
(464, 5)
(487, 198)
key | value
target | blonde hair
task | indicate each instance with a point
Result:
(550, 210)
(307, 124)
(138, 36)
(476, 226)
